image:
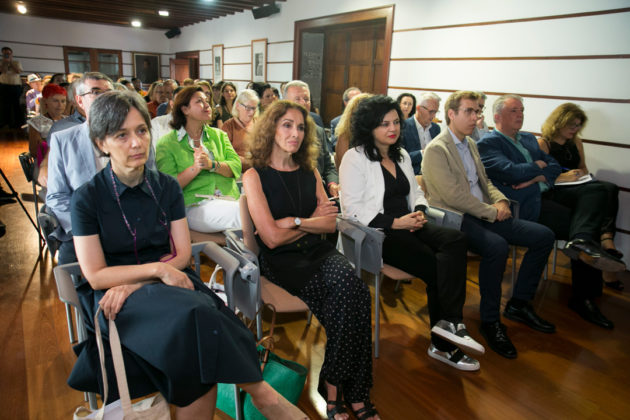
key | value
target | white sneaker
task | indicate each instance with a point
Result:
(455, 358)
(457, 335)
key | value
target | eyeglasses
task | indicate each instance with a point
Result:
(573, 126)
(470, 111)
(430, 111)
(95, 92)
(248, 108)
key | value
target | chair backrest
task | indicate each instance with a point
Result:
(247, 226)
(28, 165)
(443, 217)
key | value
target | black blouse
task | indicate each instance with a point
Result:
(566, 154)
(394, 200)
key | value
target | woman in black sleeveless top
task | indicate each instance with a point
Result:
(290, 210)
(560, 139)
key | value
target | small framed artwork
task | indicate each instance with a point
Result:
(146, 67)
(217, 62)
(259, 60)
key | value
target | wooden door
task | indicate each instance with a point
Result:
(180, 69)
(353, 56)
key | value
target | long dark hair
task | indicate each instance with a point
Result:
(366, 118)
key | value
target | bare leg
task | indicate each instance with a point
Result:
(271, 404)
(331, 393)
(201, 408)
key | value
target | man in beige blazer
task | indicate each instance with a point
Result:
(456, 180)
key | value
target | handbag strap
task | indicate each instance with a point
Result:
(101, 356)
(119, 368)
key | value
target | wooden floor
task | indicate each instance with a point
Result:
(582, 371)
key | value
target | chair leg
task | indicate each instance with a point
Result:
(237, 401)
(513, 269)
(310, 317)
(377, 311)
(70, 326)
(555, 256)
(259, 328)
(91, 398)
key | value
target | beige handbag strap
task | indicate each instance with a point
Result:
(119, 367)
(101, 357)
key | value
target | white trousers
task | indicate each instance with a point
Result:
(213, 216)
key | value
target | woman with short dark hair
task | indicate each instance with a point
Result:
(133, 246)
(290, 211)
(204, 163)
(380, 191)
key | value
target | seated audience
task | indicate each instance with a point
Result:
(266, 94)
(72, 161)
(58, 78)
(380, 191)
(188, 82)
(343, 131)
(78, 115)
(34, 94)
(456, 180)
(204, 163)
(165, 107)
(228, 94)
(138, 272)
(407, 103)
(160, 126)
(420, 129)
(523, 172)
(348, 94)
(53, 104)
(244, 113)
(137, 84)
(290, 211)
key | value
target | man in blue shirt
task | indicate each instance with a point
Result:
(523, 172)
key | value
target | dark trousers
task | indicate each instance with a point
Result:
(490, 241)
(587, 281)
(66, 253)
(612, 205)
(11, 113)
(437, 256)
(587, 206)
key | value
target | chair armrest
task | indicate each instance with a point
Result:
(65, 283)
(516, 208)
(362, 245)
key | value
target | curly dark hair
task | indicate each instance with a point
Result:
(368, 115)
(413, 99)
(262, 139)
(181, 100)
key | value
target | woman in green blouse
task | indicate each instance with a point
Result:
(204, 163)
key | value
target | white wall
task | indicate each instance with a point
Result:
(38, 43)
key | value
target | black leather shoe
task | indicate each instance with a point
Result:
(496, 336)
(593, 255)
(587, 309)
(527, 316)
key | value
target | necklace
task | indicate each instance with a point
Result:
(295, 208)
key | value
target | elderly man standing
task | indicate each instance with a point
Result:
(297, 91)
(455, 179)
(523, 172)
(420, 129)
(72, 161)
(10, 91)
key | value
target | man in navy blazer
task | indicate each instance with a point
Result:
(524, 173)
(420, 129)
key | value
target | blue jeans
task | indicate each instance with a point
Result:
(490, 241)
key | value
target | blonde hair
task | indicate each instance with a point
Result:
(560, 118)
(343, 129)
(263, 137)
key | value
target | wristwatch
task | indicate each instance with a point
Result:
(297, 221)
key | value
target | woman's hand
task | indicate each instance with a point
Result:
(325, 208)
(171, 276)
(411, 221)
(201, 158)
(114, 299)
(569, 176)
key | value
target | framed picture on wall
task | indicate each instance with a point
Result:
(259, 60)
(217, 62)
(146, 67)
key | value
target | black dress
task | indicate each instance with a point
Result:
(176, 341)
(568, 157)
(313, 270)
